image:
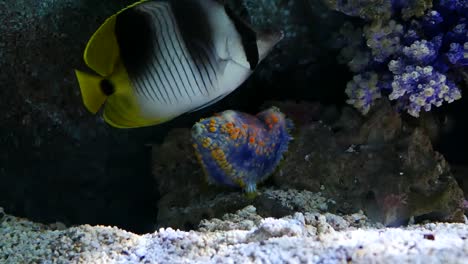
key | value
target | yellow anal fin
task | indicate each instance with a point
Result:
(119, 119)
(102, 51)
(123, 110)
(93, 97)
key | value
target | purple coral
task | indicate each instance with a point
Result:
(422, 87)
(363, 90)
(417, 62)
(384, 40)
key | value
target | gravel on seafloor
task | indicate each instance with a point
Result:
(300, 238)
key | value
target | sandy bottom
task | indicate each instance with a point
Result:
(243, 237)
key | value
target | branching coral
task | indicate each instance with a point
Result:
(363, 90)
(415, 56)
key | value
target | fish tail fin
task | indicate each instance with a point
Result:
(91, 92)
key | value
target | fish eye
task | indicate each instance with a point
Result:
(107, 87)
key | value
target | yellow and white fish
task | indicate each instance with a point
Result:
(156, 60)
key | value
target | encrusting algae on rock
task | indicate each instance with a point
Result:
(240, 150)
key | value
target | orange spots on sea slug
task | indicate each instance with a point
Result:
(274, 119)
(218, 154)
(212, 126)
(271, 120)
(206, 142)
(234, 134)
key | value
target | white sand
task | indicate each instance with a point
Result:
(248, 238)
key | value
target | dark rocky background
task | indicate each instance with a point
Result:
(60, 163)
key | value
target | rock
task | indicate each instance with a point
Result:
(244, 219)
(2, 214)
(174, 165)
(186, 197)
(378, 163)
(461, 174)
(187, 214)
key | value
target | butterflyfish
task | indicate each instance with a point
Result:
(156, 60)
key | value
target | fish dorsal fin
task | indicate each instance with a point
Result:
(102, 51)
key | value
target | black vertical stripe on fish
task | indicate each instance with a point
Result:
(248, 37)
(177, 51)
(133, 31)
(153, 71)
(160, 69)
(166, 57)
(199, 85)
(198, 71)
(188, 62)
(160, 16)
(197, 29)
(199, 61)
(210, 60)
(175, 38)
(204, 60)
(165, 54)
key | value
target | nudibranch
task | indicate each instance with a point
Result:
(240, 150)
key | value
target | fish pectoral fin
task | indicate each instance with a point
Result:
(222, 64)
(102, 51)
(91, 93)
